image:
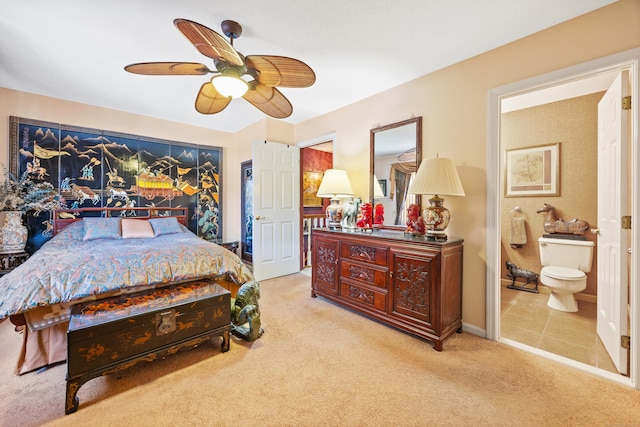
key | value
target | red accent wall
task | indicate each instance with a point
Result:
(316, 161)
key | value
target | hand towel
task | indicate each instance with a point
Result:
(518, 233)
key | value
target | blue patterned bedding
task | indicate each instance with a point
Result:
(68, 268)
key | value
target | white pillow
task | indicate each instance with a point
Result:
(136, 228)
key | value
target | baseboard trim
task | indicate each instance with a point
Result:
(474, 330)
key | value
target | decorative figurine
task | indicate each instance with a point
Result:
(378, 215)
(245, 310)
(529, 276)
(350, 214)
(415, 223)
(553, 224)
(365, 219)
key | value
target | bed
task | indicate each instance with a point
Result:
(97, 253)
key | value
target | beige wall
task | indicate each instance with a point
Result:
(452, 102)
(574, 124)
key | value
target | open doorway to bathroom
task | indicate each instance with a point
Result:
(518, 120)
(566, 123)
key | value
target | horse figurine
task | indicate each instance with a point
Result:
(553, 224)
(350, 213)
(529, 276)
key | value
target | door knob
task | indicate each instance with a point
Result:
(595, 231)
(257, 217)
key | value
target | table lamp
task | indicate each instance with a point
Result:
(437, 176)
(335, 184)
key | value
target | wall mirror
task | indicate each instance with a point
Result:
(396, 153)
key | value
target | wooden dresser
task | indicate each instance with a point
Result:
(407, 282)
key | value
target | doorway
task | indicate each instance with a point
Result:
(315, 159)
(564, 78)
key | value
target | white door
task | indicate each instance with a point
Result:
(276, 209)
(612, 204)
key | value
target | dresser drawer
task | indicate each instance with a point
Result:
(368, 253)
(370, 275)
(363, 295)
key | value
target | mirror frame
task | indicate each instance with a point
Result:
(372, 134)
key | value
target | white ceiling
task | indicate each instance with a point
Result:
(76, 49)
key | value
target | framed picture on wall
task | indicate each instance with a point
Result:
(383, 186)
(310, 184)
(533, 171)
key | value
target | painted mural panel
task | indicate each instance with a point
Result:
(119, 170)
(186, 180)
(35, 149)
(209, 210)
(38, 151)
(80, 166)
(154, 184)
(95, 168)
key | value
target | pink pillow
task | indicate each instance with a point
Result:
(136, 228)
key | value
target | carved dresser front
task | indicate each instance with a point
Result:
(407, 282)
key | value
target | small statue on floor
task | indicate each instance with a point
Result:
(516, 272)
(245, 310)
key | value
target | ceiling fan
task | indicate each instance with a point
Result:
(254, 77)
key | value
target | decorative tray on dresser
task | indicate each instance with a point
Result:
(406, 282)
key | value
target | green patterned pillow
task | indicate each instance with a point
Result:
(101, 228)
(168, 225)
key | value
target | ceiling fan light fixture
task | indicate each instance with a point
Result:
(230, 86)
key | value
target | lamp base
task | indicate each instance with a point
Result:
(436, 217)
(334, 214)
(435, 236)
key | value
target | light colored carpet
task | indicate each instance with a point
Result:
(321, 365)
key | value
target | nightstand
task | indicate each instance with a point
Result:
(231, 245)
(10, 261)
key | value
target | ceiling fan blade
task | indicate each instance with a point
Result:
(168, 69)
(210, 101)
(208, 42)
(269, 100)
(281, 71)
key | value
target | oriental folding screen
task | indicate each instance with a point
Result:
(100, 168)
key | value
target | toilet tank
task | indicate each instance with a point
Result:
(568, 253)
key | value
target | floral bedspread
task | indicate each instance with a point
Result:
(67, 268)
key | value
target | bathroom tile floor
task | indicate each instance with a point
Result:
(526, 318)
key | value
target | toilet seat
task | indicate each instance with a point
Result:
(563, 273)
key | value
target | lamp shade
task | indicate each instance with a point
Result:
(335, 183)
(437, 176)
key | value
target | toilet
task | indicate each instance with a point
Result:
(565, 263)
